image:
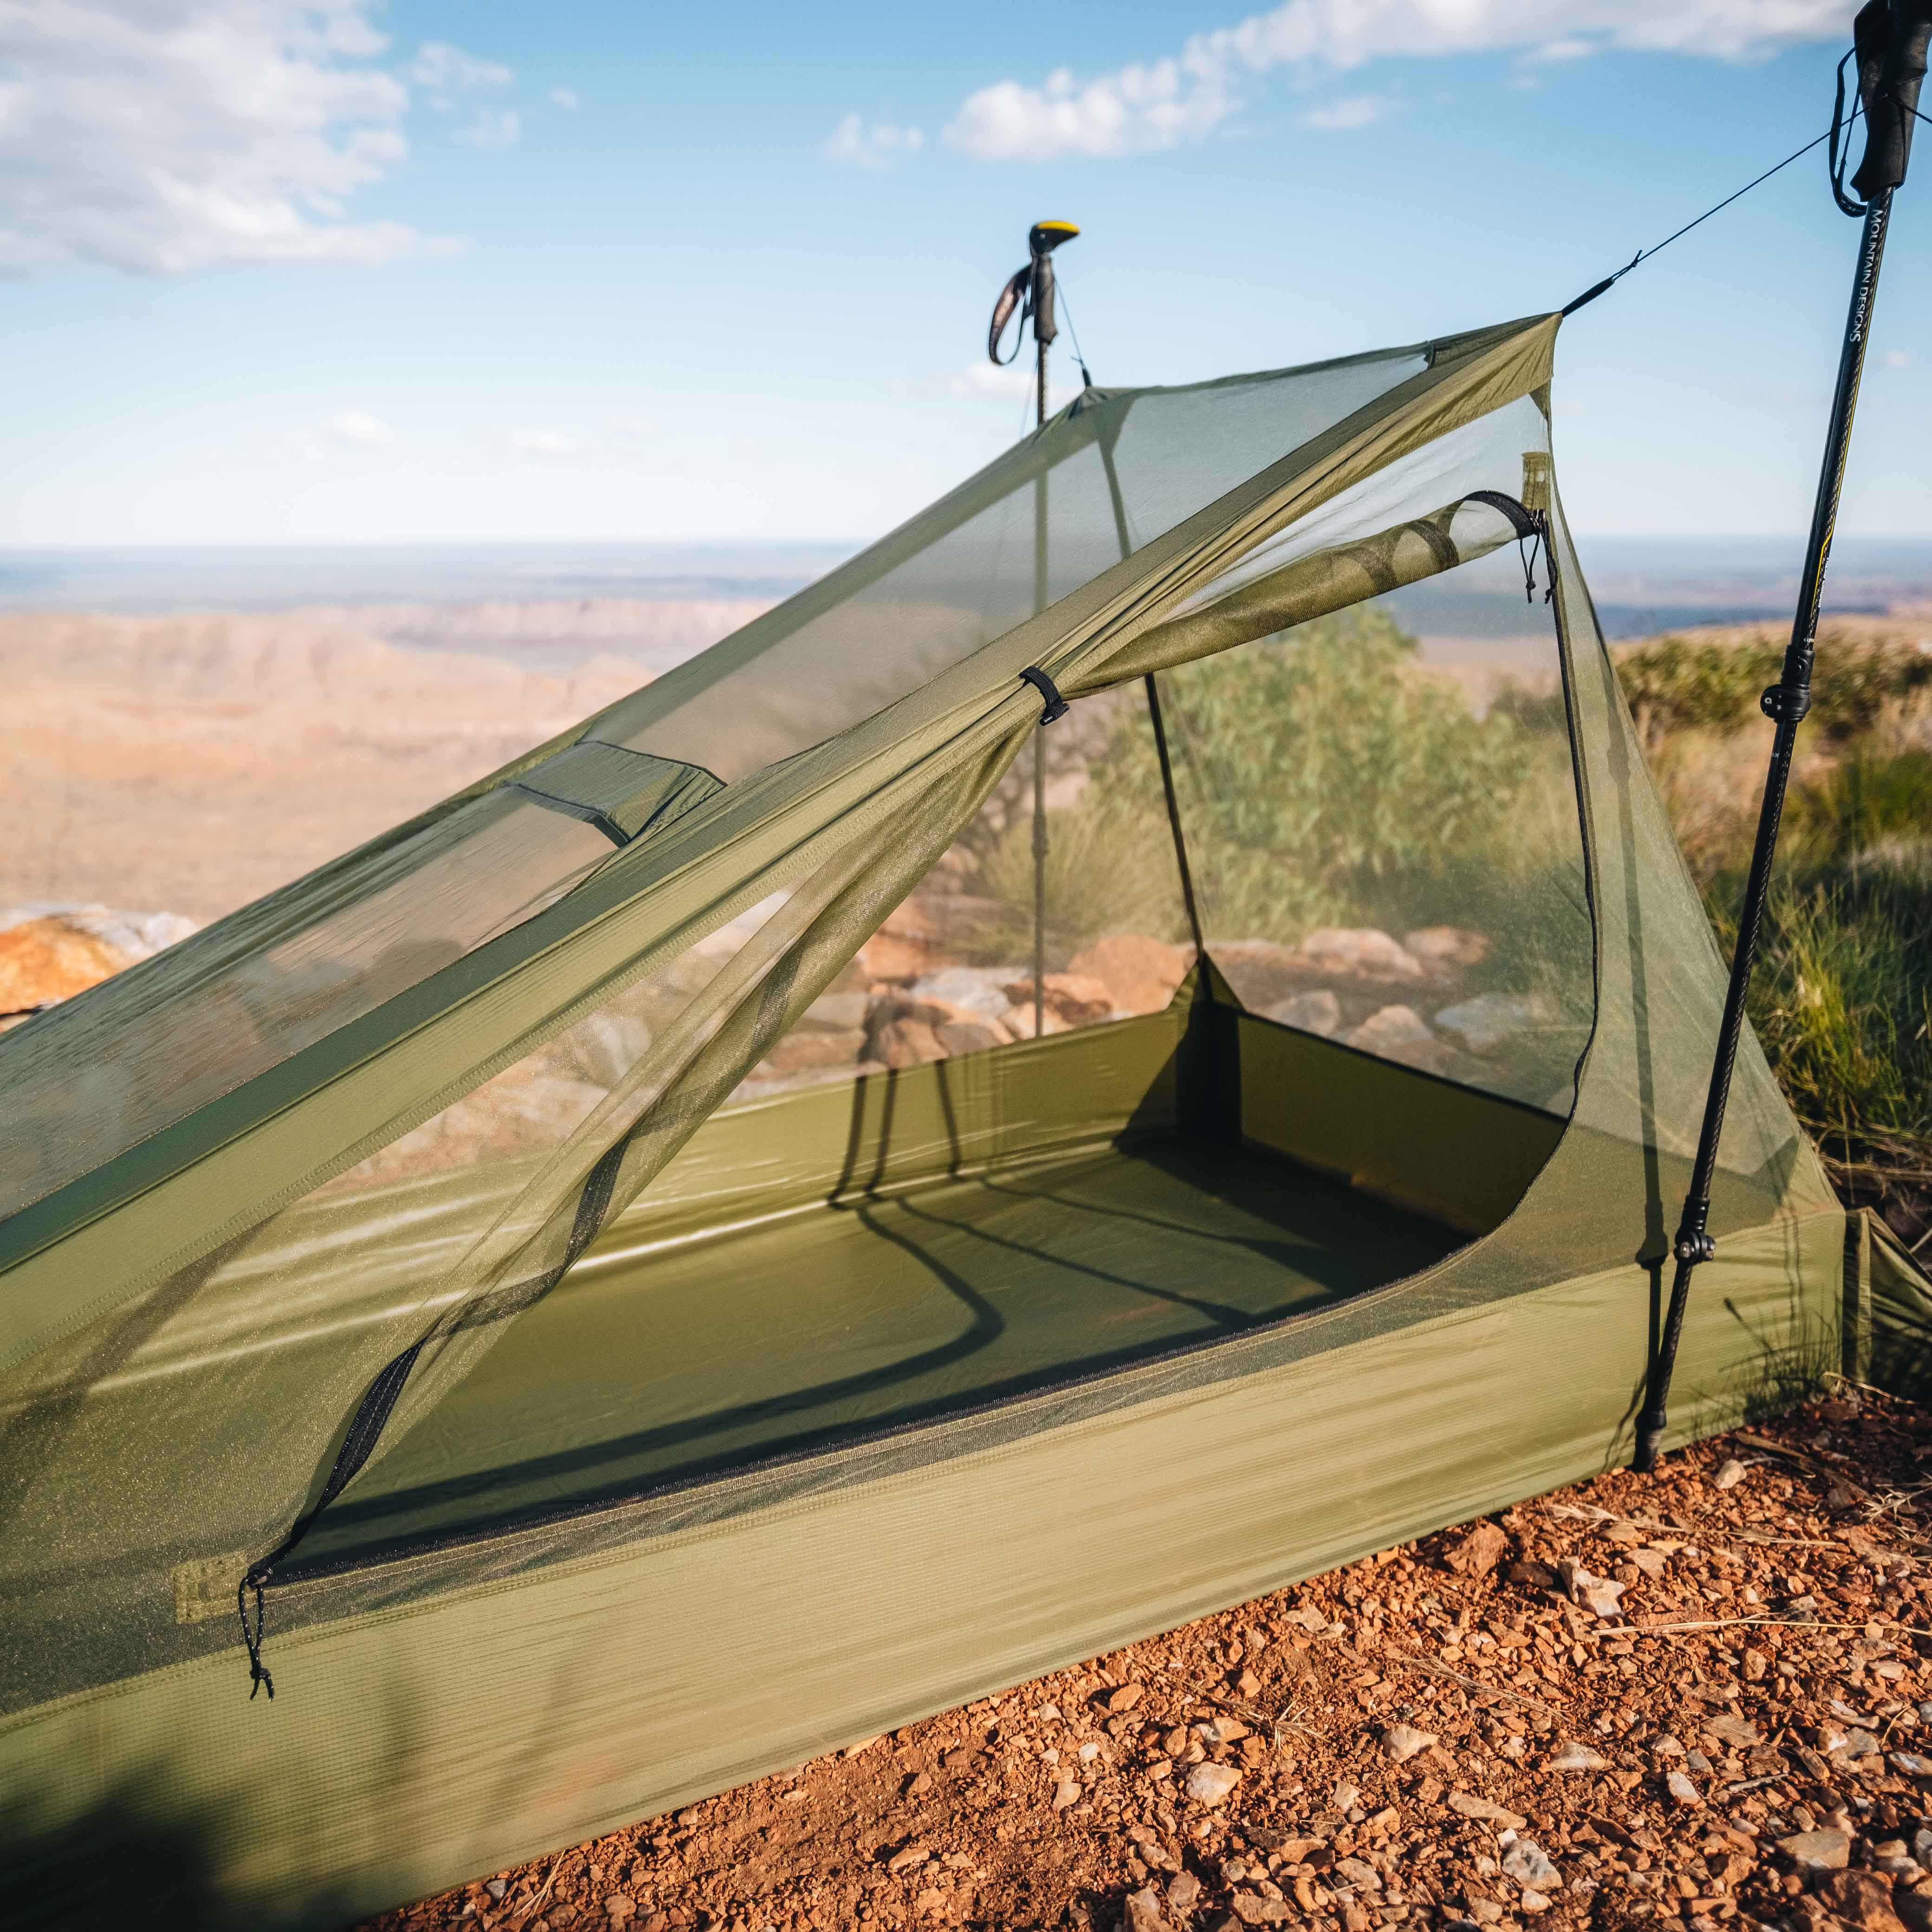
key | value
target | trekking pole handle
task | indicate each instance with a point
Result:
(1890, 39)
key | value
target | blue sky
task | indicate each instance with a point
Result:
(463, 270)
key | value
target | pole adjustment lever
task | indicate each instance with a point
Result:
(1780, 702)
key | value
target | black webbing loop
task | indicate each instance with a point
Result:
(1056, 705)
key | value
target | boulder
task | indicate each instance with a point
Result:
(835, 1012)
(1317, 1013)
(44, 961)
(967, 991)
(1140, 973)
(1262, 973)
(1483, 1024)
(1447, 946)
(804, 1049)
(968, 1036)
(1077, 998)
(1360, 952)
(907, 1042)
(1399, 1033)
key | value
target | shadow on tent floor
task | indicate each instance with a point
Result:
(657, 1368)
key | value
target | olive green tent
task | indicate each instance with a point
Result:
(735, 1231)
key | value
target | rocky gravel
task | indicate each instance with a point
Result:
(1702, 1699)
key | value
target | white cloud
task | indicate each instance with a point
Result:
(446, 71)
(1896, 359)
(1358, 110)
(494, 127)
(880, 145)
(1141, 109)
(170, 135)
(543, 443)
(566, 97)
(359, 426)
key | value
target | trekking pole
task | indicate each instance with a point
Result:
(1033, 287)
(1890, 39)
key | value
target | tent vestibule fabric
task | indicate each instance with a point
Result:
(738, 1230)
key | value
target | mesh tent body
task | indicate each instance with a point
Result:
(483, 1244)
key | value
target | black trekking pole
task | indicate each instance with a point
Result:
(1029, 290)
(1889, 42)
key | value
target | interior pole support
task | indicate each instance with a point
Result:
(1785, 704)
(1039, 881)
(1040, 602)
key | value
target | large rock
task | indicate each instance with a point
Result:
(1446, 947)
(1075, 997)
(1317, 1012)
(44, 961)
(1482, 1024)
(966, 991)
(1399, 1033)
(1140, 973)
(900, 1043)
(806, 1048)
(1360, 952)
(50, 950)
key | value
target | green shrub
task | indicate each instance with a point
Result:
(1679, 684)
(1320, 776)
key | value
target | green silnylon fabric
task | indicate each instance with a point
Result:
(183, 1190)
(630, 790)
(189, 1327)
(879, 1313)
(1315, 587)
(424, 1735)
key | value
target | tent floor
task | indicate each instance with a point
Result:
(650, 1368)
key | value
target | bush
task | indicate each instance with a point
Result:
(1320, 776)
(1677, 684)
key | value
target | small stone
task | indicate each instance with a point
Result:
(1485, 1911)
(1852, 1744)
(1861, 1900)
(1682, 1790)
(1528, 1864)
(1066, 1792)
(1730, 1474)
(930, 1901)
(1826, 1849)
(1401, 1742)
(1738, 1732)
(858, 1750)
(1212, 1784)
(1573, 1756)
(1533, 1900)
(910, 1858)
(920, 1785)
(1597, 1594)
(1252, 1910)
(1478, 1552)
(1125, 1697)
(1142, 1912)
(1222, 1730)
(619, 1908)
(1469, 1806)
(1912, 1764)
(1182, 1889)
(496, 1887)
